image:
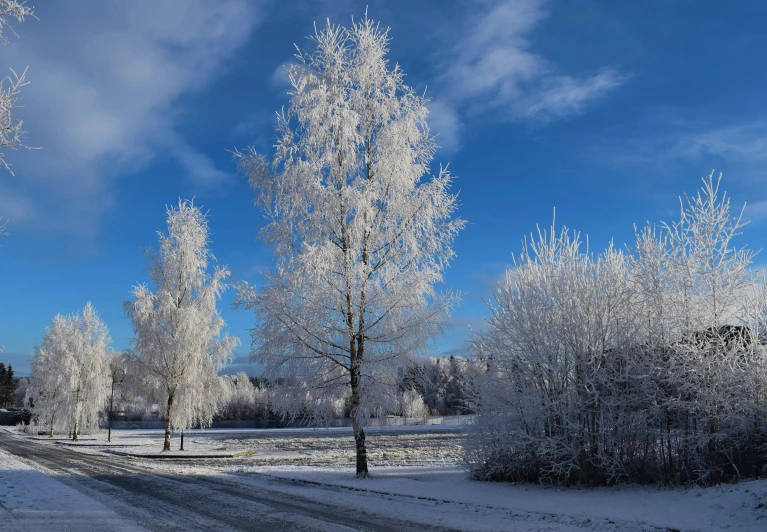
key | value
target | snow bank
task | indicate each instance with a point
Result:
(739, 507)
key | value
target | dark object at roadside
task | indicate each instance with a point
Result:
(15, 416)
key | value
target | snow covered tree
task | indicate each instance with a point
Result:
(362, 232)
(11, 134)
(88, 372)
(47, 391)
(70, 372)
(20, 393)
(117, 363)
(178, 328)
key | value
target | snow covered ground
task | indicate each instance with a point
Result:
(738, 507)
(420, 468)
(393, 445)
(32, 500)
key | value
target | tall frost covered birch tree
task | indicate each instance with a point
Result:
(361, 231)
(178, 329)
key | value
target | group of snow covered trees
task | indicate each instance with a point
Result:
(644, 365)
(438, 386)
(69, 373)
(178, 347)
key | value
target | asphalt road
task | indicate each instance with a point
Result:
(174, 502)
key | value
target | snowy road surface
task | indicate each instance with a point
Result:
(303, 480)
(107, 486)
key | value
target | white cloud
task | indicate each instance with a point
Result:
(106, 78)
(491, 68)
(563, 96)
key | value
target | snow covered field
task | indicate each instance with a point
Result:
(389, 446)
(420, 467)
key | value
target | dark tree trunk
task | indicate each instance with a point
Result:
(182, 440)
(359, 432)
(111, 404)
(362, 452)
(77, 414)
(166, 444)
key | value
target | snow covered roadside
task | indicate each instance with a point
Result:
(31, 500)
(740, 507)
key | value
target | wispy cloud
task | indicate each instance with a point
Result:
(743, 142)
(492, 69)
(105, 84)
(667, 140)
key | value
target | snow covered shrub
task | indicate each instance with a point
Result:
(243, 400)
(646, 366)
(412, 404)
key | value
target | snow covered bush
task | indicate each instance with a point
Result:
(412, 404)
(644, 366)
(243, 400)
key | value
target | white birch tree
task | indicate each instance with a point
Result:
(89, 374)
(70, 372)
(362, 232)
(47, 391)
(179, 341)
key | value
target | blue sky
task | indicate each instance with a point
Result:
(606, 110)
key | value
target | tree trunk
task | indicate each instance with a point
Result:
(359, 432)
(166, 445)
(362, 452)
(182, 440)
(77, 414)
(111, 403)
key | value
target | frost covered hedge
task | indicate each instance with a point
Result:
(648, 365)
